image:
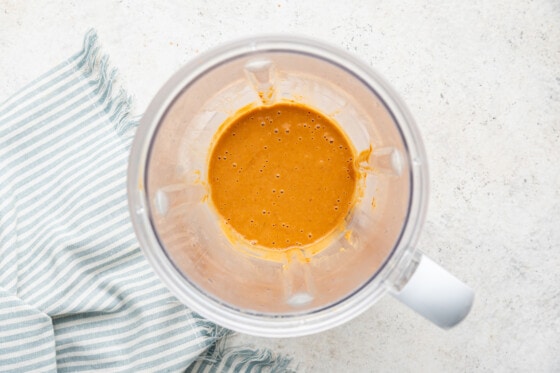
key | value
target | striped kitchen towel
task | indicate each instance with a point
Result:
(75, 290)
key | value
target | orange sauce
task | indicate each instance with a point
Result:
(282, 176)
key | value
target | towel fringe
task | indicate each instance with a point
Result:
(239, 358)
(113, 98)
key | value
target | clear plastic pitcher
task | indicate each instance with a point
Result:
(297, 291)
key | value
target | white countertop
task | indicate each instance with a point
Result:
(482, 80)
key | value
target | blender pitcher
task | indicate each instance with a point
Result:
(298, 291)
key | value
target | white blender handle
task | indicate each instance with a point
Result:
(436, 294)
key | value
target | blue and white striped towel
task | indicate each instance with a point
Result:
(75, 291)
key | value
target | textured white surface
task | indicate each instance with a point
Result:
(483, 82)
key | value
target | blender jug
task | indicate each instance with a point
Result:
(301, 290)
